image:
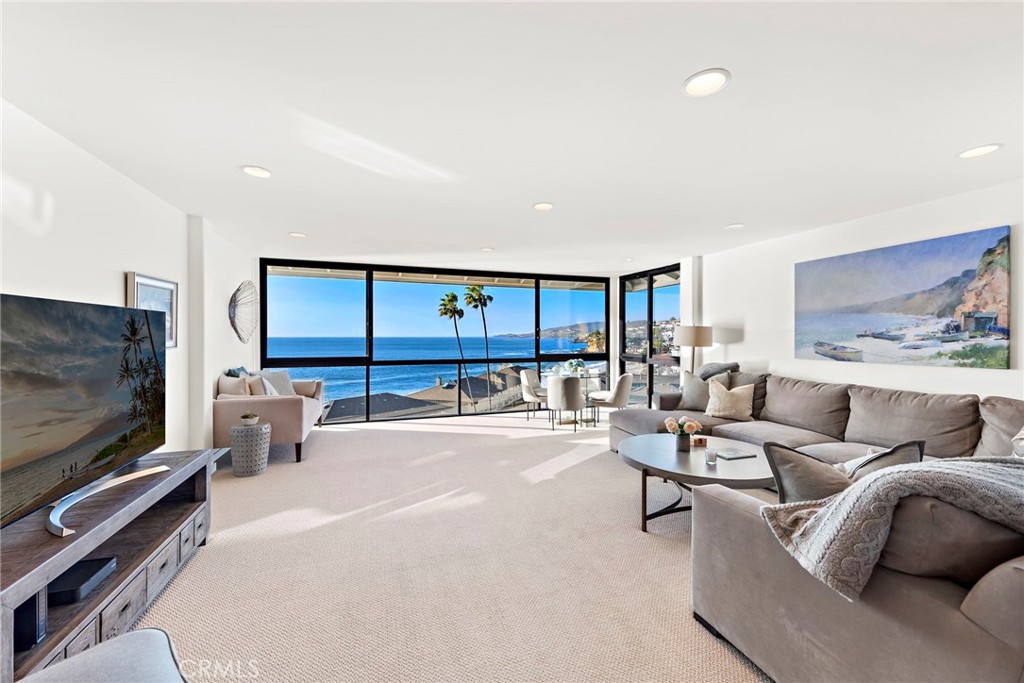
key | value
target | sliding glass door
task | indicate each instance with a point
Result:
(649, 312)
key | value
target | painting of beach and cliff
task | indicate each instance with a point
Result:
(943, 301)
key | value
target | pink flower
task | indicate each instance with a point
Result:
(671, 425)
(691, 426)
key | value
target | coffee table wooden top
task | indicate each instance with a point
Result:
(657, 454)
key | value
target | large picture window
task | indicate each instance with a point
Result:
(394, 343)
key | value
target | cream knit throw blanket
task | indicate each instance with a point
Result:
(839, 539)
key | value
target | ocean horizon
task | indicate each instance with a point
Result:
(349, 382)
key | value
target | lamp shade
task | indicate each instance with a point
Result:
(692, 335)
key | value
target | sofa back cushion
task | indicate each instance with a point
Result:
(1003, 419)
(931, 538)
(760, 382)
(949, 424)
(822, 408)
(232, 385)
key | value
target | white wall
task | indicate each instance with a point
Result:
(749, 293)
(218, 267)
(73, 226)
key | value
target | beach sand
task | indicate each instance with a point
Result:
(883, 351)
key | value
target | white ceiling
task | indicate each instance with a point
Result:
(418, 133)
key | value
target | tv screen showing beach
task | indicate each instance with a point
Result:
(943, 301)
(83, 394)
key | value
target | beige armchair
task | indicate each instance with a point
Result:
(291, 417)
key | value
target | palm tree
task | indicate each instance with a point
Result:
(133, 338)
(152, 346)
(476, 298)
(449, 308)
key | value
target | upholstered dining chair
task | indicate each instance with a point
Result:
(616, 397)
(532, 393)
(565, 393)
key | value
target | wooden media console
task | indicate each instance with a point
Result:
(152, 525)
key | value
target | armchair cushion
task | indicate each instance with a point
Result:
(280, 381)
(256, 387)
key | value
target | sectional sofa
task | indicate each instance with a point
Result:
(953, 611)
(838, 422)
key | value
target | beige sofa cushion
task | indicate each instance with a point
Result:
(761, 431)
(949, 424)
(931, 538)
(730, 404)
(819, 407)
(256, 387)
(232, 385)
(1004, 418)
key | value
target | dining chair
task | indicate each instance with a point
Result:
(565, 393)
(532, 393)
(617, 397)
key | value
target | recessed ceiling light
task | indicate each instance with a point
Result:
(544, 206)
(734, 226)
(487, 249)
(297, 234)
(980, 151)
(629, 258)
(256, 171)
(706, 82)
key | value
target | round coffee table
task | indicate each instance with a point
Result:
(655, 455)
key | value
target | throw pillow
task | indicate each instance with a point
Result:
(695, 392)
(800, 476)
(709, 370)
(1018, 443)
(236, 372)
(929, 537)
(280, 381)
(256, 385)
(268, 388)
(736, 404)
(236, 386)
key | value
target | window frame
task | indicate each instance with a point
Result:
(367, 361)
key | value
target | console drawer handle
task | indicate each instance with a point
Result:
(126, 606)
(162, 566)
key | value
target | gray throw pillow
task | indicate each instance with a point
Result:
(280, 380)
(709, 370)
(800, 477)
(696, 392)
(236, 372)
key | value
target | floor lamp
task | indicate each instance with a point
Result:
(693, 336)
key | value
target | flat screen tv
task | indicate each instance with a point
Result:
(81, 395)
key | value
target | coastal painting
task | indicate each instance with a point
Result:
(943, 301)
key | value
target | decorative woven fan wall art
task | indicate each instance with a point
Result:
(243, 310)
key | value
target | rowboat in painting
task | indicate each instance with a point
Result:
(921, 344)
(884, 334)
(838, 351)
(954, 337)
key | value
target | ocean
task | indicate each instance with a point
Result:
(405, 379)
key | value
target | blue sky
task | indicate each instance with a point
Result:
(869, 276)
(323, 307)
(666, 304)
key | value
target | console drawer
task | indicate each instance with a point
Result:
(83, 641)
(161, 568)
(188, 540)
(119, 615)
(202, 522)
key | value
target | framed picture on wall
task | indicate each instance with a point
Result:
(154, 294)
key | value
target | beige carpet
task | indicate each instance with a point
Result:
(460, 549)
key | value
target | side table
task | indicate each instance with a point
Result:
(250, 449)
